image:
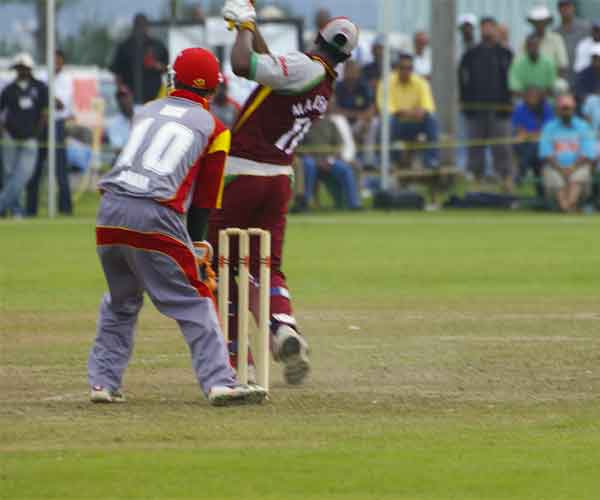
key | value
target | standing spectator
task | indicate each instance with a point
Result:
(224, 107)
(531, 69)
(412, 109)
(63, 85)
(583, 57)
(466, 25)
(354, 100)
(422, 54)
(568, 149)
(588, 81)
(372, 72)
(140, 62)
(118, 126)
(487, 103)
(24, 103)
(552, 44)
(573, 31)
(504, 36)
(528, 120)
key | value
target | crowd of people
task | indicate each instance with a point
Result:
(528, 113)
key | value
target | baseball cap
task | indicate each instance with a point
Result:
(197, 68)
(23, 59)
(467, 19)
(342, 34)
(539, 13)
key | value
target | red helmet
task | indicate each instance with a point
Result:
(197, 68)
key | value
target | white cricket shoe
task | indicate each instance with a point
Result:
(224, 395)
(100, 394)
(291, 349)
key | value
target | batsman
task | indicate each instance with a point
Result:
(294, 90)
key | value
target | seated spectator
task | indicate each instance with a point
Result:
(324, 145)
(552, 44)
(588, 81)
(528, 120)
(372, 72)
(412, 109)
(532, 69)
(224, 107)
(354, 100)
(568, 150)
(583, 52)
(422, 54)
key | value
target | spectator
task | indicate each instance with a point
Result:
(552, 44)
(466, 25)
(528, 120)
(583, 57)
(140, 62)
(63, 85)
(372, 72)
(486, 102)
(119, 126)
(325, 162)
(412, 109)
(24, 103)
(224, 107)
(588, 81)
(504, 36)
(573, 30)
(568, 150)
(354, 100)
(422, 54)
(591, 111)
(532, 69)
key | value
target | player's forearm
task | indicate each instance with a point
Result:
(241, 53)
(259, 44)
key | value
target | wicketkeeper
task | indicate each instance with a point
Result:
(152, 218)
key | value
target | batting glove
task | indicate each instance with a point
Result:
(204, 253)
(239, 14)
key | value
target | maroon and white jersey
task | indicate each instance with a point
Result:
(294, 91)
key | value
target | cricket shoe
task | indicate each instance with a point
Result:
(291, 350)
(238, 394)
(101, 394)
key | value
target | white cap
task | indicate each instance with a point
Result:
(540, 13)
(23, 59)
(467, 19)
(595, 50)
(342, 34)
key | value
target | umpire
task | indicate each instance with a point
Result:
(23, 104)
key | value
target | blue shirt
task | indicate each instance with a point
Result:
(525, 118)
(591, 109)
(567, 143)
(358, 98)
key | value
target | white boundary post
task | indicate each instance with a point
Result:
(50, 50)
(386, 19)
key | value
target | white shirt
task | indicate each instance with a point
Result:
(63, 87)
(583, 54)
(422, 63)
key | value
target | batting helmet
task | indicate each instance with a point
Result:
(197, 68)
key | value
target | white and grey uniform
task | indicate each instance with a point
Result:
(144, 246)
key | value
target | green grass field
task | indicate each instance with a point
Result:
(456, 356)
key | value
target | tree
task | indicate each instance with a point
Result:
(40, 14)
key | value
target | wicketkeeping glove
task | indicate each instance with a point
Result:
(239, 14)
(203, 251)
